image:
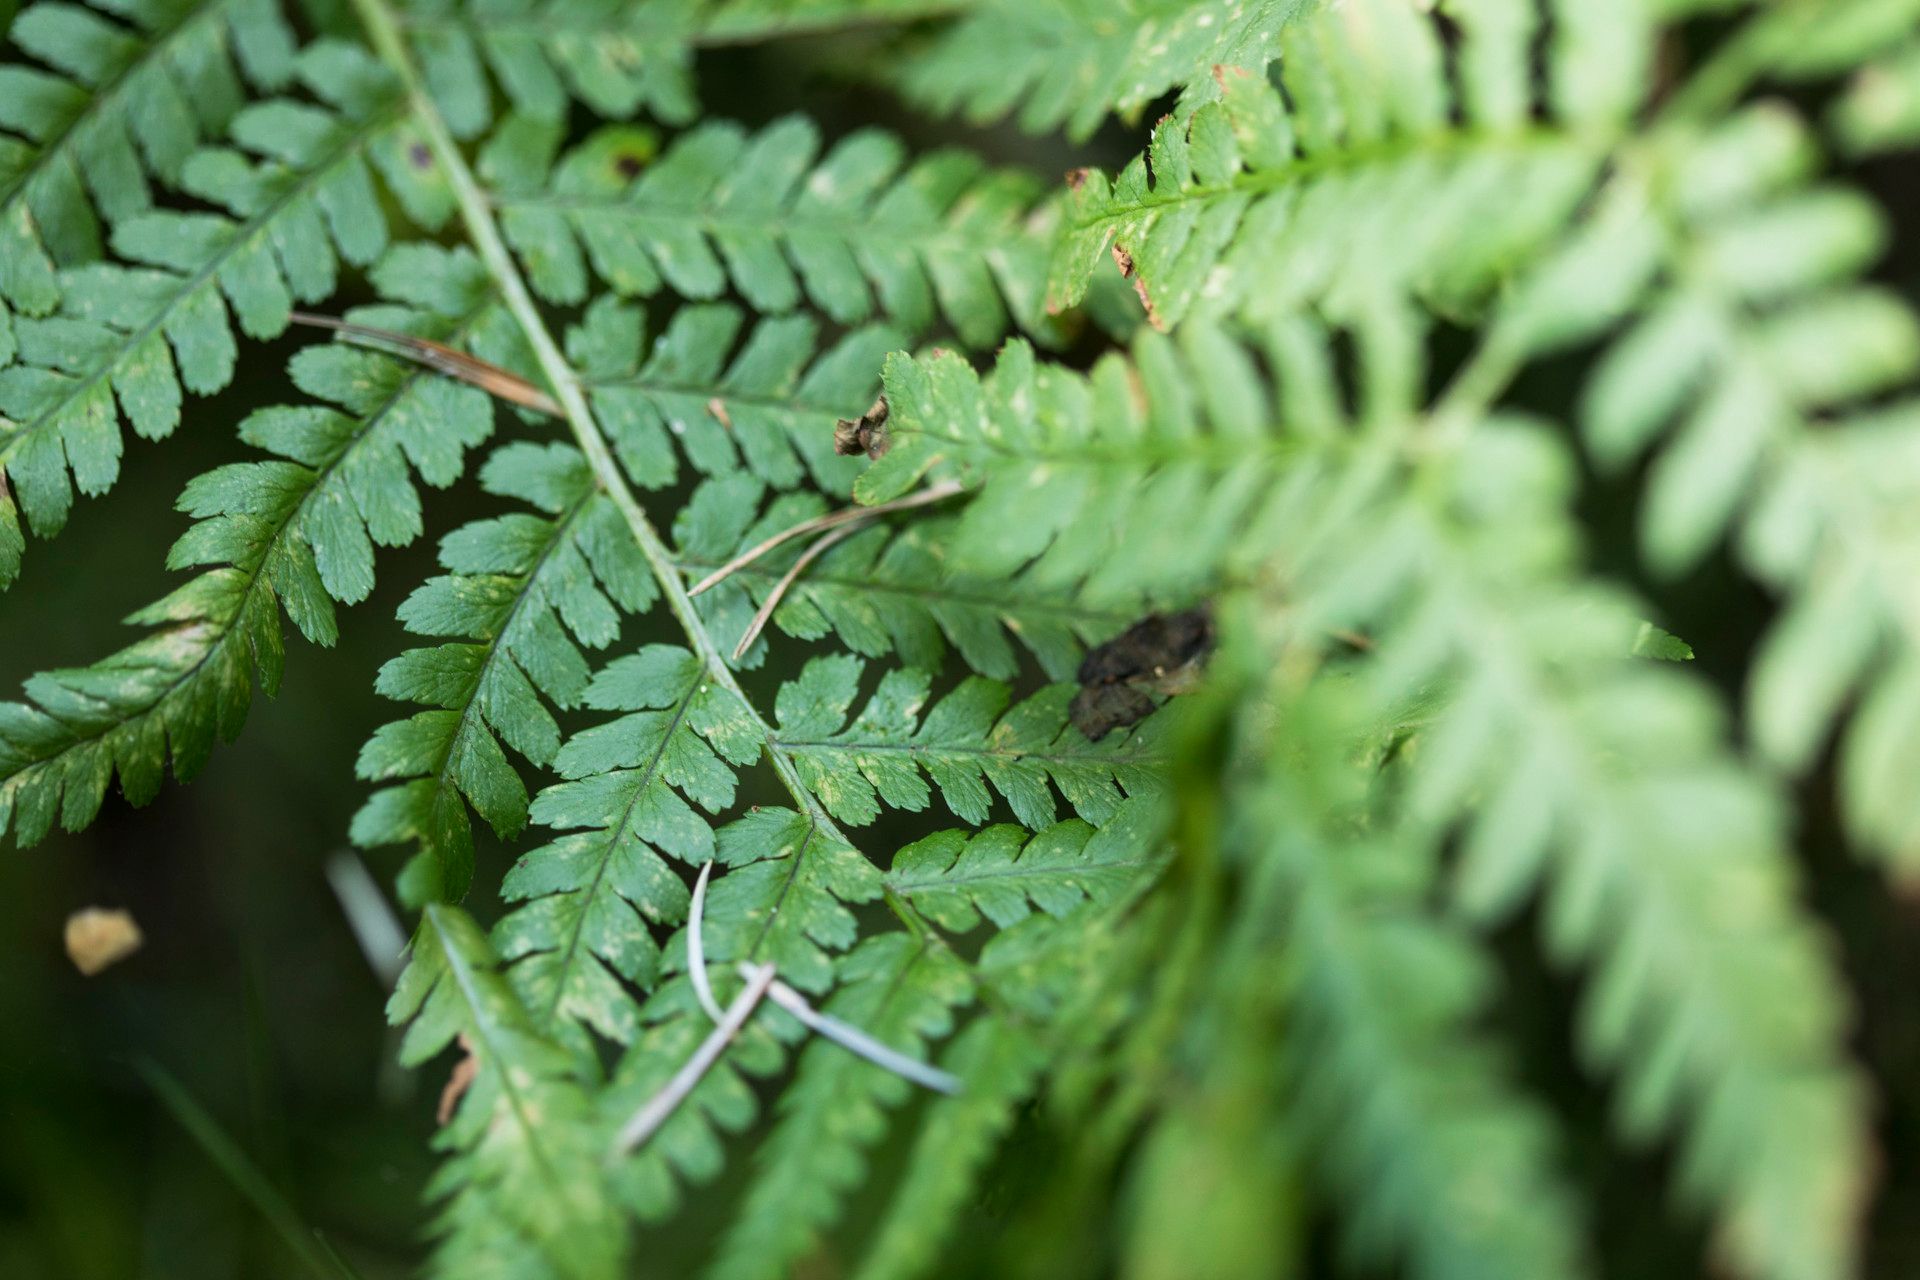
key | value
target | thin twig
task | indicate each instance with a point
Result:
(441, 358)
(654, 1111)
(933, 493)
(850, 1037)
(697, 947)
(772, 602)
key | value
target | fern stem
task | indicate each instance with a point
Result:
(383, 30)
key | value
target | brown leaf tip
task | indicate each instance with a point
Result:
(866, 434)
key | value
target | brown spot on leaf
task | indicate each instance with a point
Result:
(419, 157)
(99, 937)
(1123, 259)
(464, 1072)
(1161, 653)
(718, 408)
(866, 434)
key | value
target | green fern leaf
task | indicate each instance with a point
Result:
(903, 992)
(1080, 476)
(1000, 1061)
(1376, 174)
(954, 878)
(617, 59)
(1518, 761)
(589, 897)
(768, 399)
(125, 340)
(296, 534)
(852, 232)
(1069, 63)
(785, 901)
(882, 591)
(968, 741)
(122, 94)
(523, 1123)
(521, 591)
(1760, 384)
(1407, 1110)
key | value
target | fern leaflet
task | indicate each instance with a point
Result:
(967, 740)
(138, 334)
(852, 232)
(294, 534)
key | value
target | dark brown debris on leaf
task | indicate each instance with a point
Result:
(1161, 653)
(866, 434)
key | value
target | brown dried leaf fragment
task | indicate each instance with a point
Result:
(98, 937)
(1160, 654)
(441, 358)
(464, 1073)
(866, 434)
(1123, 259)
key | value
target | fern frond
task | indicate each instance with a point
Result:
(296, 534)
(616, 58)
(954, 878)
(1099, 467)
(1068, 64)
(522, 594)
(885, 590)
(122, 95)
(967, 742)
(726, 394)
(1407, 1109)
(901, 990)
(1465, 580)
(853, 232)
(1763, 385)
(786, 901)
(1000, 1061)
(590, 897)
(125, 340)
(524, 1128)
(1385, 174)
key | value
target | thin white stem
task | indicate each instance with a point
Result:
(697, 949)
(772, 602)
(853, 1039)
(933, 493)
(654, 1111)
